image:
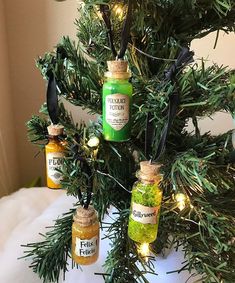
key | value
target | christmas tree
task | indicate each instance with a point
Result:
(197, 211)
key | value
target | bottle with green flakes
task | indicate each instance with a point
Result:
(116, 102)
(145, 204)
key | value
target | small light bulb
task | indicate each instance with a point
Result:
(181, 205)
(144, 249)
(180, 197)
(181, 201)
(118, 11)
(93, 142)
(99, 14)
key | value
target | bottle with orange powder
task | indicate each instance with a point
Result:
(55, 152)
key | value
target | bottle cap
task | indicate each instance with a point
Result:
(55, 130)
(118, 69)
(149, 171)
(85, 216)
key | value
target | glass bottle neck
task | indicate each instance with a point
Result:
(110, 79)
(53, 138)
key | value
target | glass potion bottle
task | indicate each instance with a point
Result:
(85, 236)
(116, 102)
(145, 204)
(55, 152)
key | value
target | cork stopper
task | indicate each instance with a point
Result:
(117, 66)
(55, 130)
(118, 69)
(85, 217)
(149, 170)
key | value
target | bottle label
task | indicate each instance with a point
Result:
(86, 247)
(117, 110)
(144, 214)
(54, 162)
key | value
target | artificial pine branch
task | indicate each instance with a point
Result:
(76, 75)
(50, 256)
(122, 264)
(200, 166)
(37, 130)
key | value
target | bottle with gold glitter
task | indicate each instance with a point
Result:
(145, 204)
(85, 236)
(55, 152)
(117, 101)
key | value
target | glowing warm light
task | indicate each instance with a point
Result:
(181, 205)
(99, 14)
(93, 142)
(181, 201)
(144, 249)
(118, 11)
(180, 197)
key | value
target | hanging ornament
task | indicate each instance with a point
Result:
(55, 152)
(85, 236)
(55, 149)
(145, 204)
(117, 101)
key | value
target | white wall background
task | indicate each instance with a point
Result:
(33, 27)
(29, 28)
(222, 55)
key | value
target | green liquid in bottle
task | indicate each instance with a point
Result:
(117, 101)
